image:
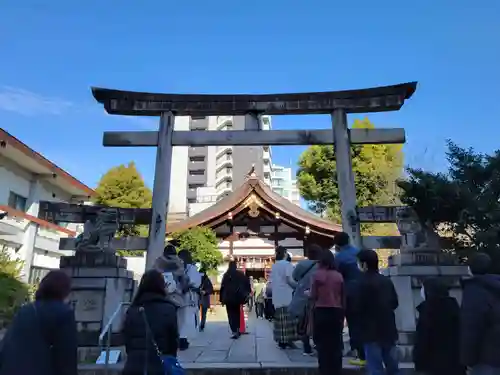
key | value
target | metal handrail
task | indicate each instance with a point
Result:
(106, 330)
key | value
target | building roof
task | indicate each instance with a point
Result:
(15, 150)
(254, 193)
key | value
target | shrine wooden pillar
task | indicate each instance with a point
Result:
(231, 236)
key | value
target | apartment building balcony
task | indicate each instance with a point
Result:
(223, 149)
(191, 195)
(223, 175)
(197, 166)
(198, 179)
(267, 154)
(197, 152)
(224, 121)
(224, 191)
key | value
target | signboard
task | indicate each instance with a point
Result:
(377, 214)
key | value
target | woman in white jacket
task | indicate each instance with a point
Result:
(187, 315)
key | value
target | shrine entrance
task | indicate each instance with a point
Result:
(256, 274)
(253, 220)
(337, 104)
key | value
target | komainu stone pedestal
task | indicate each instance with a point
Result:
(407, 271)
(100, 282)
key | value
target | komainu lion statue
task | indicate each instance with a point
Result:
(416, 236)
(98, 233)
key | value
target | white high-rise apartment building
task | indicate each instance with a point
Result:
(203, 175)
(284, 184)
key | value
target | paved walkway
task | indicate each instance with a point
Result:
(214, 347)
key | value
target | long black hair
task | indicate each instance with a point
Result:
(152, 282)
(56, 285)
(327, 260)
(186, 257)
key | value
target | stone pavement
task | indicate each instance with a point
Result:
(213, 352)
(215, 346)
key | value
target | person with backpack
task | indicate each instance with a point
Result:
(301, 306)
(480, 318)
(234, 292)
(206, 290)
(172, 269)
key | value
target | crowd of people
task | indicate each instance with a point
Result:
(308, 302)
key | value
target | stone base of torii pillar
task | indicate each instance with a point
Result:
(100, 283)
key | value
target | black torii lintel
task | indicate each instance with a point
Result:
(377, 99)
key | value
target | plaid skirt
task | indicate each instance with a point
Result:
(285, 327)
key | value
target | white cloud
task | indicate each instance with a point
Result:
(28, 103)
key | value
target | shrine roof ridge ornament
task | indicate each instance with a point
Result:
(376, 99)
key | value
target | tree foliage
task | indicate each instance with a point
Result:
(376, 169)
(463, 203)
(13, 292)
(124, 187)
(202, 243)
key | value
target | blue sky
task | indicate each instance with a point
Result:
(53, 51)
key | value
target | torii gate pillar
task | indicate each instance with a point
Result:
(345, 176)
(161, 189)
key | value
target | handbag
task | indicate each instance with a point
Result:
(170, 364)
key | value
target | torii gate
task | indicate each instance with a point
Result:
(336, 103)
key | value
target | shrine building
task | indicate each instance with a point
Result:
(253, 220)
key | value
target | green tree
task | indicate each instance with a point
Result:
(13, 292)
(463, 203)
(376, 169)
(124, 187)
(202, 243)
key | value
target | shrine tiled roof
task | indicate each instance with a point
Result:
(255, 193)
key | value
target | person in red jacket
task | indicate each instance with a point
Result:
(328, 298)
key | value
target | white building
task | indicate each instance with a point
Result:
(203, 175)
(284, 184)
(26, 178)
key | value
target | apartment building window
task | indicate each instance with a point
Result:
(194, 159)
(191, 200)
(197, 172)
(17, 201)
(228, 170)
(195, 186)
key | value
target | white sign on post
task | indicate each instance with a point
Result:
(114, 356)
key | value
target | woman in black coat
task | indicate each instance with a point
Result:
(161, 316)
(234, 292)
(436, 350)
(42, 337)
